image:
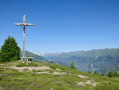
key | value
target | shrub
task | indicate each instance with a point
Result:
(110, 74)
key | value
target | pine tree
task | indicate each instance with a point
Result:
(9, 51)
(102, 74)
(72, 66)
(110, 74)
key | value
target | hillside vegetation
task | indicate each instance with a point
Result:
(43, 76)
(101, 60)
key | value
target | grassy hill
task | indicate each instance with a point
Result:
(101, 60)
(42, 76)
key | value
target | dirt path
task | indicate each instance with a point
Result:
(21, 69)
(1, 64)
(87, 82)
(53, 73)
(82, 76)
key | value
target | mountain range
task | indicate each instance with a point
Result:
(100, 60)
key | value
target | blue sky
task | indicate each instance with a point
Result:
(61, 25)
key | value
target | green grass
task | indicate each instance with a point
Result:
(12, 79)
(24, 64)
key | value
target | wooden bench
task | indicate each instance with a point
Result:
(27, 59)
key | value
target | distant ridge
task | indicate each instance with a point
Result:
(101, 60)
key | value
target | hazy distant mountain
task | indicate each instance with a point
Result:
(36, 58)
(47, 54)
(101, 60)
(52, 54)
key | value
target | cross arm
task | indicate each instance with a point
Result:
(19, 24)
(29, 24)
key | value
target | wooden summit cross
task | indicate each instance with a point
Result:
(24, 24)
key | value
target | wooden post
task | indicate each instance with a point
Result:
(30, 60)
(51, 63)
(23, 60)
(27, 61)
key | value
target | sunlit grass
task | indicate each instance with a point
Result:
(12, 79)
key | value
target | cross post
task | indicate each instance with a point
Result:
(23, 24)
